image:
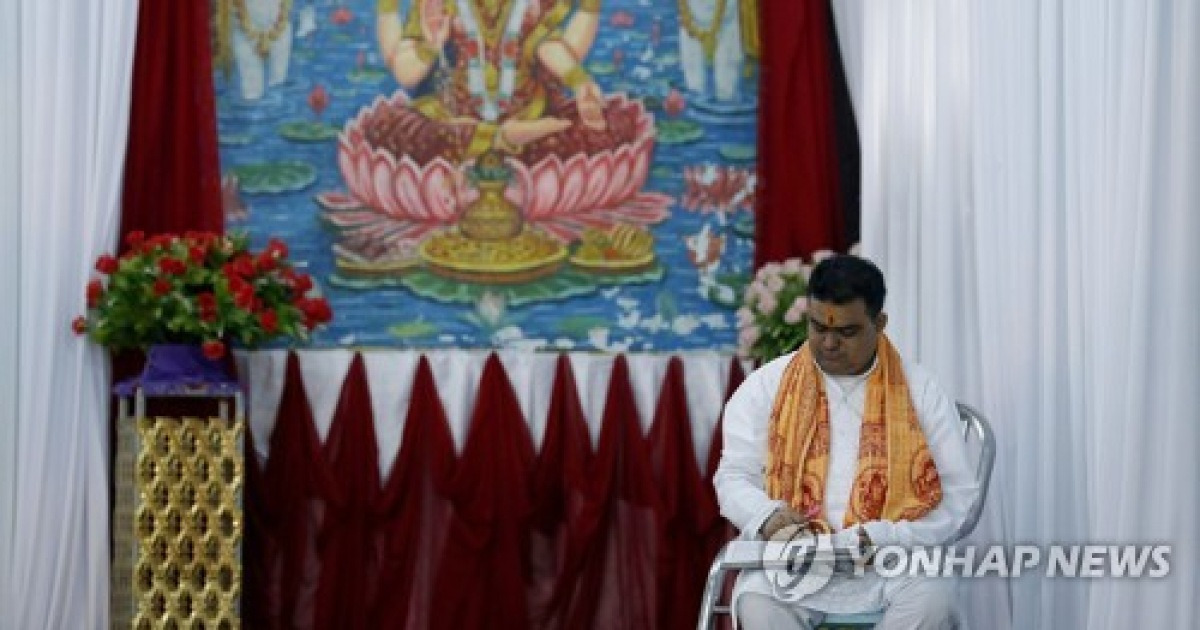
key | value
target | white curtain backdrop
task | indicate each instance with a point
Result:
(75, 70)
(1030, 188)
(10, 277)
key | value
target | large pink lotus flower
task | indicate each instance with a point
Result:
(393, 200)
(713, 188)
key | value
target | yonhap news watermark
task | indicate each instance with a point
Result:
(801, 567)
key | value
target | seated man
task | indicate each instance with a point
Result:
(843, 436)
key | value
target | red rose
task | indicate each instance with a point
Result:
(171, 266)
(95, 291)
(197, 254)
(237, 285)
(266, 261)
(158, 240)
(79, 325)
(205, 240)
(244, 297)
(207, 304)
(243, 266)
(135, 238)
(162, 286)
(213, 349)
(302, 283)
(207, 301)
(106, 264)
(316, 310)
(276, 248)
(269, 321)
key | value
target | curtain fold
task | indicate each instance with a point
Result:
(172, 181)
(480, 581)
(349, 567)
(799, 206)
(684, 504)
(565, 445)
(289, 487)
(74, 85)
(412, 517)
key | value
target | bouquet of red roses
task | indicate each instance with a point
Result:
(199, 288)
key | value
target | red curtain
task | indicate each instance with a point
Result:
(480, 581)
(502, 535)
(172, 170)
(799, 203)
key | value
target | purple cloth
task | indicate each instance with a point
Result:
(179, 370)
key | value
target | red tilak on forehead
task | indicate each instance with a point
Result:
(826, 316)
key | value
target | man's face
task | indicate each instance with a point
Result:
(843, 337)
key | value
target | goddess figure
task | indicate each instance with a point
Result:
(499, 77)
(506, 75)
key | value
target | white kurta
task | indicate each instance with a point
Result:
(740, 484)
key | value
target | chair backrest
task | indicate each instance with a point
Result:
(981, 443)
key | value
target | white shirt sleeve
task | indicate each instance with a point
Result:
(943, 432)
(739, 477)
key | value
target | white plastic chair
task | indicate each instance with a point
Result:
(981, 444)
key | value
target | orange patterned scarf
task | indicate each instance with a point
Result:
(895, 480)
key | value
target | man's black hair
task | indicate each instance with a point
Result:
(844, 278)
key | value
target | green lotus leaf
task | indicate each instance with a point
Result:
(678, 131)
(738, 152)
(307, 131)
(579, 325)
(275, 177)
(565, 284)
(367, 74)
(235, 139)
(413, 329)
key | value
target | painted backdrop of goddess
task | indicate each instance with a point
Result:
(556, 174)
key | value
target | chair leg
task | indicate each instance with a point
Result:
(712, 592)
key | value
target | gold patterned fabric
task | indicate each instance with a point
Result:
(895, 478)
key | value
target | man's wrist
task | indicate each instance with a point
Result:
(768, 528)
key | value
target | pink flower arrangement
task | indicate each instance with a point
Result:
(772, 320)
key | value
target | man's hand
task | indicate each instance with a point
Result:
(784, 516)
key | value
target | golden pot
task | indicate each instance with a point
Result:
(491, 217)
